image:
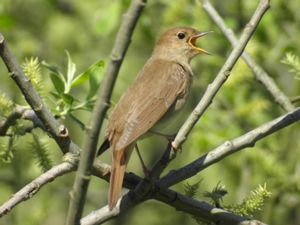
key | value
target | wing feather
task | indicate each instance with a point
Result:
(145, 102)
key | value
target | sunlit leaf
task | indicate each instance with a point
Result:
(70, 72)
(95, 78)
(81, 78)
(54, 70)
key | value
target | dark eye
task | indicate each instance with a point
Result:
(181, 35)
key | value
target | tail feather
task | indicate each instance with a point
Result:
(116, 176)
(105, 145)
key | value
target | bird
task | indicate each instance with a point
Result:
(159, 91)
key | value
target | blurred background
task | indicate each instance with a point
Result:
(87, 29)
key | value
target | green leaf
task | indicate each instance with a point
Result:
(95, 78)
(67, 98)
(54, 70)
(70, 72)
(58, 83)
(81, 78)
(55, 95)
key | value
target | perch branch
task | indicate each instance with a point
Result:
(176, 200)
(229, 147)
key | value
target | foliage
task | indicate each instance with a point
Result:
(31, 68)
(191, 190)
(293, 61)
(6, 106)
(66, 103)
(252, 203)
(217, 194)
(249, 206)
(41, 153)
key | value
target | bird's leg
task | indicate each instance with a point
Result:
(169, 137)
(145, 169)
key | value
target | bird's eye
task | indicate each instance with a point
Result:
(181, 35)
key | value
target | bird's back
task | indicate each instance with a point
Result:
(160, 86)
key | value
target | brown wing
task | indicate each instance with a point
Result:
(146, 101)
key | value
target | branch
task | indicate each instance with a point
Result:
(33, 187)
(58, 132)
(202, 209)
(90, 144)
(143, 189)
(258, 71)
(222, 76)
(174, 199)
(229, 147)
(17, 113)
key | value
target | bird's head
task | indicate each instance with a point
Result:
(179, 43)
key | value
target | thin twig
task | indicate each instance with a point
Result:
(20, 112)
(229, 147)
(90, 144)
(58, 132)
(222, 76)
(260, 74)
(295, 99)
(33, 187)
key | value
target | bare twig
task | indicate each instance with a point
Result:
(90, 144)
(58, 132)
(33, 187)
(295, 99)
(222, 76)
(229, 147)
(20, 112)
(258, 71)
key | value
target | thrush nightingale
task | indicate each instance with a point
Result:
(160, 89)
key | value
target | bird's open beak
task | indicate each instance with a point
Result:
(192, 41)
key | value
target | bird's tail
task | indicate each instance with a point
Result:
(105, 145)
(116, 176)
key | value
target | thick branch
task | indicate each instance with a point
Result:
(33, 187)
(174, 199)
(58, 132)
(90, 144)
(229, 147)
(222, 76)
(258, 71)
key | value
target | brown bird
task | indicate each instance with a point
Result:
(159, 90)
